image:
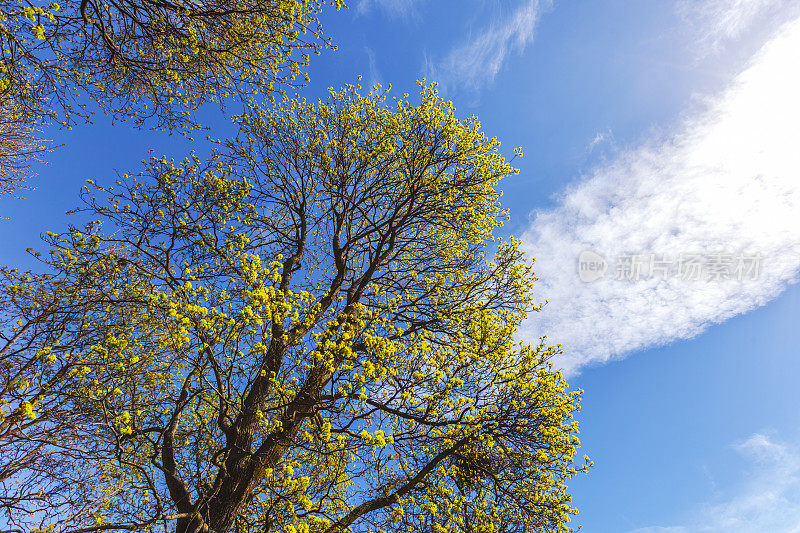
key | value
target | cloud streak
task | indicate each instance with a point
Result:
(375, 77)
(397, 8)
(767, 501)
(476, 63)
(728, 182)
(722, 21)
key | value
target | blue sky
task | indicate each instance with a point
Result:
(649, 128)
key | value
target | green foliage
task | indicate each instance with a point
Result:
(19, 147)
(305, 332)
(151, 58)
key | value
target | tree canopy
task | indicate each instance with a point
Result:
(151, 58)
(312, 330)
(19, 147)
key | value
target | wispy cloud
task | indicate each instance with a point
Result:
(719, 22)
(728, 182)
(375, 77)
(397, 8)
(768, 499)
(600, 138)
(475, 63)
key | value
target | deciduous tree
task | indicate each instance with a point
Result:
(49, 328)
(151, 58)
(19, 147)
(311, 331)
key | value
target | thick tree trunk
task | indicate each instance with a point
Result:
(244, 469)
(191, 525)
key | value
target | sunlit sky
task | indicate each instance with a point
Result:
(654, 129)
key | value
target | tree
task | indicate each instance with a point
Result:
(45, 324)
(148, 58)
(18, 148)
(303, 333)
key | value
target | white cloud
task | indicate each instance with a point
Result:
(600, 138)
(476, 63)
(768, 499)
(719, 22)
(401, 8)
(660, 529)
(728, 182)
(375, 77)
